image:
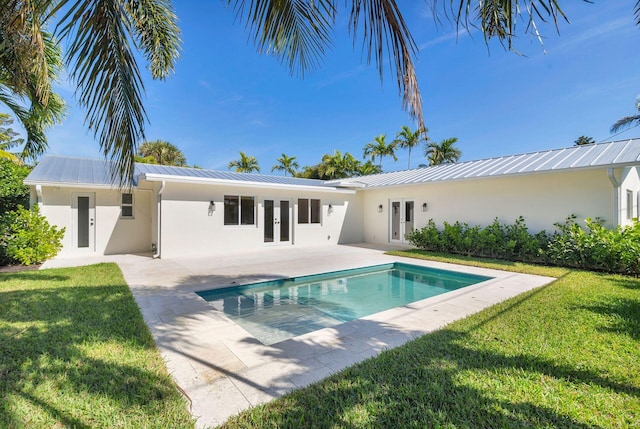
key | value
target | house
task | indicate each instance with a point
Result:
(175, 211)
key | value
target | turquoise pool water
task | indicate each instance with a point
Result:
(273, 311)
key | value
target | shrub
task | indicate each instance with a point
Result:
(497, 240)
(13, 192)
(27, 238)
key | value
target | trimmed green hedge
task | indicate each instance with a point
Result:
(592, 248)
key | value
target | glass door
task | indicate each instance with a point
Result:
(401, 220)
(277, 221)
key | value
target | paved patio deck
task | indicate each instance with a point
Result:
(225, 370)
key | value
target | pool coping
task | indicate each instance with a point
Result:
(225, 370)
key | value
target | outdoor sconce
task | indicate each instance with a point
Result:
(330, 209)
(380, 208)
(212, 207)
(424, 207)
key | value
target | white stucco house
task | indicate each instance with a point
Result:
(173, 211)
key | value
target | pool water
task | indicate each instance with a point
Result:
(273, 311)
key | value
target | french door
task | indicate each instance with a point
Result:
(401, 220)
(83, 223)
(277, 221)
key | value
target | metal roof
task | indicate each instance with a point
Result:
(94, 172)
(612, 154)
(65, 170)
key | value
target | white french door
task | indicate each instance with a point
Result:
(83, 221)
(401, 220)
(277, 221)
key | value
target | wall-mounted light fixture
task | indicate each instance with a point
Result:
(424, 207)
(212, 207)
(330, 209)
(380, 208)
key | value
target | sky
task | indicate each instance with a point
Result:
(225, 97)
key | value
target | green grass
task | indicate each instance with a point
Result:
(565, 355)
(75, 352)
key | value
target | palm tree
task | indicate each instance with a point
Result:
(368, 168)
(583, 140)
(101, 37)
(380, 148)
(408, 139)
(8, 140)
(163, 153)
(288, 164)
(20, 83)
(627, 121)
(246, 164)
(103, 65)
(443, 152)
(338, 166)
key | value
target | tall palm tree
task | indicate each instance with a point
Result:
(380, 148)
(163, 153)
(443, 152)
(288, 164)
(408, 139)
(246, 164)
(627, 121)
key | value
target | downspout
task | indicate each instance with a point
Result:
(616, 195)
(159, 236)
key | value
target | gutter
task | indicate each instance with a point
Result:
(158, 248)
(616, 195)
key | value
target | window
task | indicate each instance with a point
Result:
(126, 205)
(309, 210)
(629, 204)
(239, 210)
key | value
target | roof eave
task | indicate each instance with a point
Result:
(239, 183)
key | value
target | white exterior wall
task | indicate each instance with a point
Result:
(188, 229)
(630, 181)
(542, 199)
(112, 235)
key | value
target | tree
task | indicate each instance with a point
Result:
(25, 85)
(100, 61)
(628, 121)
(443, 152)
(162, 152)
(582, 140)
(8, 139)
(337, 165)
(13, 191)
(246, 164)
(103, 65)
(408, 139)
(368, 168)
(288, 164)
(380, 148)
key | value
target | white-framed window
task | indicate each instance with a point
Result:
(629, 204)
(309, 211)
(239, 210)
(126, 205)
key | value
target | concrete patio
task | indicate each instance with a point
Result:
(224, 370)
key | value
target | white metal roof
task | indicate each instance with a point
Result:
(73, 171)
(612, 154)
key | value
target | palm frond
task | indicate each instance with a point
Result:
(626, 122)
(384, 27)
(157, 33)
(296, 31)
(104, 68)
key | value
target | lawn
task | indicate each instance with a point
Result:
(75, 352)
(566, 355)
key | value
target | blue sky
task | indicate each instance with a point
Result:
(225, 97)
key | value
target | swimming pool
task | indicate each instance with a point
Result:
(276, 310)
